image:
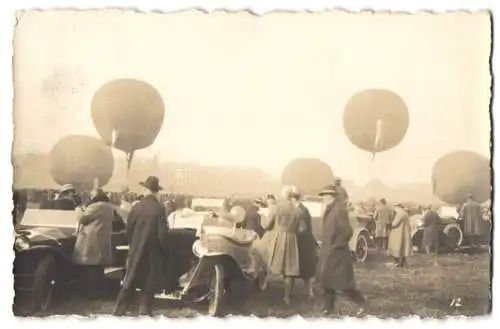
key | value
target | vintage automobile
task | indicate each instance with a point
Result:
(43, 246)
(451, 230)
(209, 254)
(362, 224)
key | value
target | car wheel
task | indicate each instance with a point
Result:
(361, 251)
(44, 283)
(216, 292)
(454, 238)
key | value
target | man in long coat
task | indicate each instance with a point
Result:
(308, 247)
(383, 217)
(400, 244)
(335, 264)
(473, 220)
(430, 236)
(146, 233)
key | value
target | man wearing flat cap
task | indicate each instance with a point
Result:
(335, 269)
(146, 233)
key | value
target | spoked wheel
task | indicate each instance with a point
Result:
(44, 283)
(361, 251)
(216, 290)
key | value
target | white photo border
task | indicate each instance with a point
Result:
(7, 20)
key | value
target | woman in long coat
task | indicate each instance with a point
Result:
(93, 243)
(335, 269)
(278, 246)
(400, 245)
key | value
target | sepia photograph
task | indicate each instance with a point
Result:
(328, 165)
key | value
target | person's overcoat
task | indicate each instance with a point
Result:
(147, 233)
(278, 246)
(308, 247)
(400, 244)
(335, 264)
(383, 218)
(430, 236)
(93, 241)
(473, 218)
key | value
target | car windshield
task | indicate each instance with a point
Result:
(206, 204)
(448, 212)
(315, 208)
(49, 218)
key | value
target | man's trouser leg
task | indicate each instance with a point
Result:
(330, 295)
(122, 301)
(146, 298)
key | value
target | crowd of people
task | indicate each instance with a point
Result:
(286, 242)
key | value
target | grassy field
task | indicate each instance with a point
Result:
(424, 289)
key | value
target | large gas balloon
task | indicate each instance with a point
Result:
(79, 160)
(309, 175)
(128, 114)
(376, 120)
(456, 174)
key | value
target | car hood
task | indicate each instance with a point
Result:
(43, 234)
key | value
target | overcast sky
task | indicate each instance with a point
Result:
(260, 91)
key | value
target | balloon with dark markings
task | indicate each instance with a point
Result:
(128, 114)
(376, 120)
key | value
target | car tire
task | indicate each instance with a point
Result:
(361, 252)
(216, 293)
(454, 238)
(44, 283)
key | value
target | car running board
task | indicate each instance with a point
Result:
(113, 270)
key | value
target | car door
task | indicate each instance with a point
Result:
(119, 249)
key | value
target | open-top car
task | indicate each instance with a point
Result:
(208, 255)
(451, 230)
(362, 224)
(43, 246)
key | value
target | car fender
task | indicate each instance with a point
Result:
(36, 251)
(450, 226)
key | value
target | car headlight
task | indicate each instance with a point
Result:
(21, 243)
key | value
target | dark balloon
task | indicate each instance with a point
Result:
(133, 109)
(79, 159)
(456, 174)
(309, 175)
(376, 120)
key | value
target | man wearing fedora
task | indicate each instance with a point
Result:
(146, 233)
(335, 269)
